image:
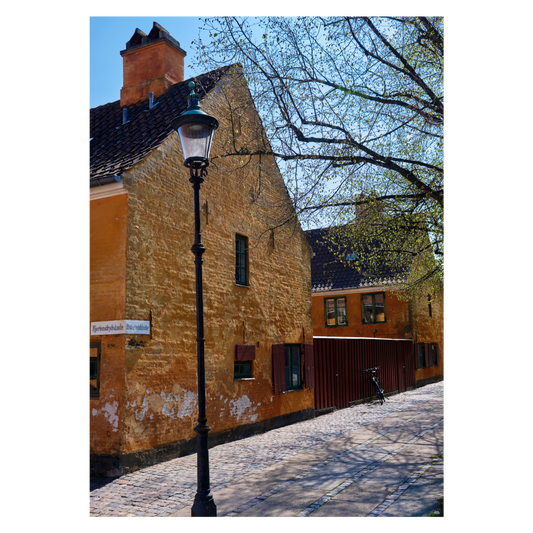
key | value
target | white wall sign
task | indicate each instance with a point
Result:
(120, 327)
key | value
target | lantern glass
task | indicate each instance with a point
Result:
(196, 142)
(195, 130)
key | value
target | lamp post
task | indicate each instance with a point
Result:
(195, 129)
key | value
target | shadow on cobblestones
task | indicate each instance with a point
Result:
(100, 482)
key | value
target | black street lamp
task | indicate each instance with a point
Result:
(196, 129)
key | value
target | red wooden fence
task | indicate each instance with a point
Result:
(339, 365)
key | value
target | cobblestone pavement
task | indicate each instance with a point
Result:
(166, 488)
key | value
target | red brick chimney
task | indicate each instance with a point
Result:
(151, 63)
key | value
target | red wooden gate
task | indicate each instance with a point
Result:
(339, 365)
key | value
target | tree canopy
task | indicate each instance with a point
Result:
(353, 110)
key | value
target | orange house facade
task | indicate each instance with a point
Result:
(346, 305)
(340, 313)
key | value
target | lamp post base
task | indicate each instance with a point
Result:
(204, 505)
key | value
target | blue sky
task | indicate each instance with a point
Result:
(109, 35)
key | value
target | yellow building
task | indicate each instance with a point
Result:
(257, 290)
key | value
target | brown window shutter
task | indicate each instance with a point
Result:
(245, 352)
(309, 362)
(278, 367)
(438, 353)
(426, 354)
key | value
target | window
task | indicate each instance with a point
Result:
(429, 305)
(287, 367)
(293, 369)
(94, 364)
(427, 354)
(336, 311)
(242, 369)
(245, 354)
(241, 260)
(432, 354)
(419, 355)
(373, 308)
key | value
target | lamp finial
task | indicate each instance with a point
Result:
(193, 98)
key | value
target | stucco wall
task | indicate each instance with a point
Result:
(108, 227)
(428, 329)
(160, 403)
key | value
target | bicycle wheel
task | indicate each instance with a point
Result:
(381, 396)
(379, 393)
(379, 389)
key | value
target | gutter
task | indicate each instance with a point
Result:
(104, 180)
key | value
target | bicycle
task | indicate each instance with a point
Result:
(379, 389)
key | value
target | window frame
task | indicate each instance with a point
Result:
(419, 355)
(335, 298)
(374, 321)
(292, 387)
(239, 269)
(431, 358)
(98, 346)
(242, 376)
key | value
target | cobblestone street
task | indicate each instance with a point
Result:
(169, 487)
